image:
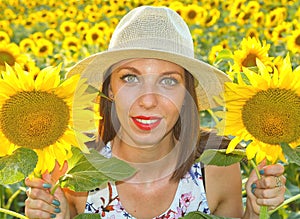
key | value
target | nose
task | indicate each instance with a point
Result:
(149, 97)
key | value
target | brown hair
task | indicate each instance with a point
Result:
(186, 129)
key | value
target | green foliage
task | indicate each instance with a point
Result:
(16, 167)
(88, 216)
(88, 171)
(292, 154)
(221, 158)
(200, 215)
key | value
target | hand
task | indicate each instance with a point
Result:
(41, 203)
(267, 191)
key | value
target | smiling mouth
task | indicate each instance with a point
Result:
(146, 123)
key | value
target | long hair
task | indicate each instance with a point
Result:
(186, 130)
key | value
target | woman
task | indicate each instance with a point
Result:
(156, 89)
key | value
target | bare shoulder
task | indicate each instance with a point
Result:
(76, 201)
(223, 186)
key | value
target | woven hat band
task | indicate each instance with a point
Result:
(153, 28)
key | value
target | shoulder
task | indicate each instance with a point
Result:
(223, 187)
(76, 200)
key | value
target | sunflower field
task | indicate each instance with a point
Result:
(231, 35)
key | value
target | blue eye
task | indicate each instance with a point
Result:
(130, 78)
(169, 81)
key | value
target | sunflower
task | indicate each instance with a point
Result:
(243, 17)
(37, 35)
(43, 113)
(252, 32)
(4, 37)
(11, 54)
(93, 17)
(275, 17)
(251, 49)
(211, 18)
(253, 6)
(258, 19)
(94, 36)
(214, 53)
(71, 43)
(68, 28)
(263, 111)
(26, 44)
(82, 26)
(193, 14)
(280, 32)
(294, 41)
(177, 6)
(53, 35)
(71, 12)
(43, 48)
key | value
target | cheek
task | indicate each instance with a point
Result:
(175, 99)
(123, 103)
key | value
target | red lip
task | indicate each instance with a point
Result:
(146, 123)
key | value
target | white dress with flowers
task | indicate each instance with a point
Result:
(190, 196)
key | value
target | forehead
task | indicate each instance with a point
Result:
(148, 64)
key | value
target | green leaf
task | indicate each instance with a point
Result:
(220, 157)
(223, 55)
(16, 167)
(200, 215)
(292, 154)
(112, 167)
(88, 171)
(88, 216)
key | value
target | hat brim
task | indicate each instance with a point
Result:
(210, 79)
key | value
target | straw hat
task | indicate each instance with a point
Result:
(154, 32)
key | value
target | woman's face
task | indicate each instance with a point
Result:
(148, 95)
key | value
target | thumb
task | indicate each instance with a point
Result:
(47, 177)
(262, 164)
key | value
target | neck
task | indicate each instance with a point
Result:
(152, 163)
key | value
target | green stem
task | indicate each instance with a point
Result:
(55, 187)
(12, 213)
(11, 199)
(263, 214)
(286, 202)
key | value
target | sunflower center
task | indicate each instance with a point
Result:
(6, 57)
(297, 41)
(95, 36)
(43, 49)
(192, 14)
(34, 119)
(250, 60)
(272, 116)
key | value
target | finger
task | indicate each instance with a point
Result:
(272, 202)
(272, 170)
(33, 213)
(37, 183)
(269, 193)
(270, 182)
(40, 205)
(40, 194)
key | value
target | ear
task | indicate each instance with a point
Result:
(110, 93)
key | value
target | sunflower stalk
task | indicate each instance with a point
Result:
(54, 188)
(286, 202)
(263, 214)
(11, 199)
(12, 213)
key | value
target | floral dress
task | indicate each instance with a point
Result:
(190, 196)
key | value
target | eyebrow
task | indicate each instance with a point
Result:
(173, 72)
(138, 72)
(128, 68)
